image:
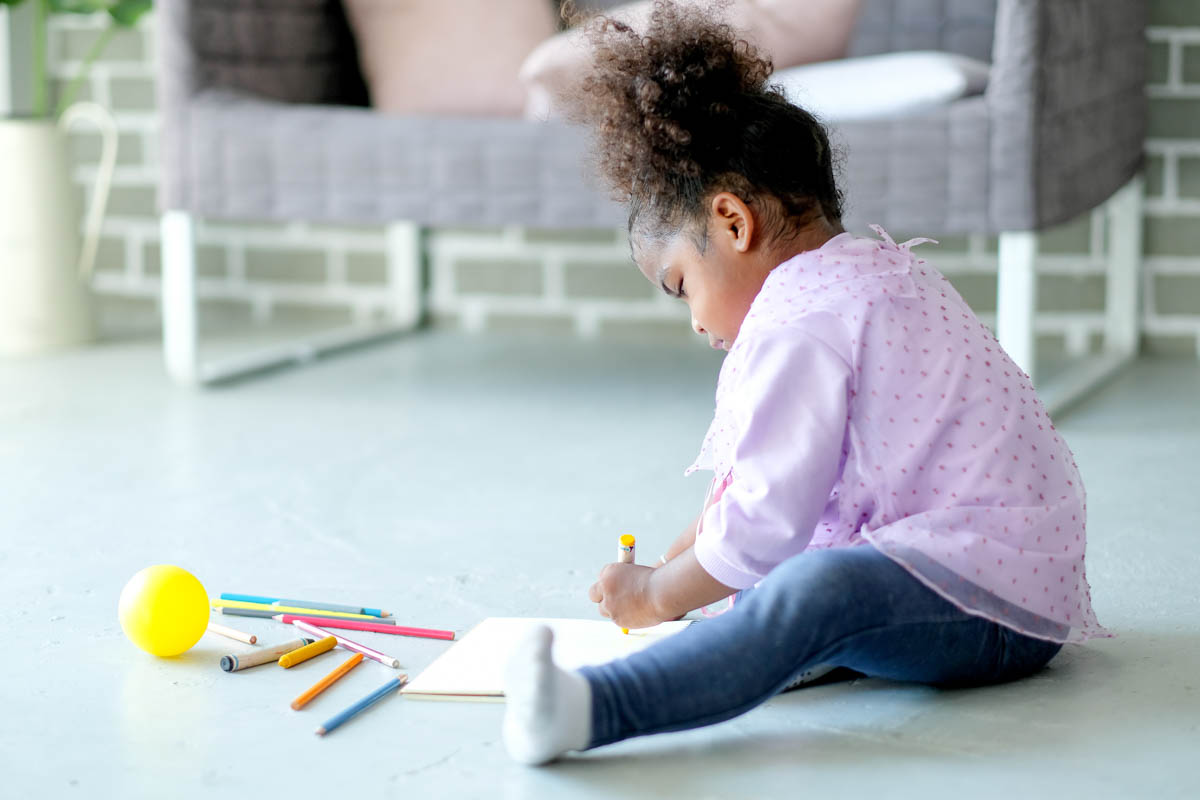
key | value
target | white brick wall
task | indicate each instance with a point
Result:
(1172, 272)
(582, 281)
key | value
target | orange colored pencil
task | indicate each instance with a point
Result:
(323, 684)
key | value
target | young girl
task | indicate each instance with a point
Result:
(889, 493)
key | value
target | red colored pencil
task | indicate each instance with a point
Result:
(359, 625)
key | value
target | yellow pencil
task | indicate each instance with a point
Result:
(274, 609)
(308, 651)
(625, 547)
(323, 684)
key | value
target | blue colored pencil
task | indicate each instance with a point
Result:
(247, 598)
(280, 601)
(374, 697)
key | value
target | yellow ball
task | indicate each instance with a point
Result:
(163, 610)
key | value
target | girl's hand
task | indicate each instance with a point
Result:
(623, 594)
(634, 596)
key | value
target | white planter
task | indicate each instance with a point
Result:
(45, 300)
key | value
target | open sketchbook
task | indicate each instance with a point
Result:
(473, 668)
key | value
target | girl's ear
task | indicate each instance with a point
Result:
(732, 219)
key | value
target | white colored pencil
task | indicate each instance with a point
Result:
(232, 633)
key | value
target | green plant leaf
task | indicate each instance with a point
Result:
(128, 12)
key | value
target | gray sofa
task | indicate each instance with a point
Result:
(263, 117)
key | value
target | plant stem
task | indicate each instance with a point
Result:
(40, 11)
(93, 53)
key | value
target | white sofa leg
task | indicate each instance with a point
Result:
(404, 258)
(179, 296)
(1122, 301)
(1016, 297)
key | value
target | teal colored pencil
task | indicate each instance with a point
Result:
(374, 697)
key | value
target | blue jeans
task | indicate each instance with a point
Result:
(849, 607)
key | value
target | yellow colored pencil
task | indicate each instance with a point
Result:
(323, 684)
(295, 657)
(274, 609)
(625, 555)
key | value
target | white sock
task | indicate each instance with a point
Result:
(549, 709)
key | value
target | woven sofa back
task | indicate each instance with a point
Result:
(887, 26)
(298, 51)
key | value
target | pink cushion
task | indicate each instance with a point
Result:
(442, 57)
(792, 32)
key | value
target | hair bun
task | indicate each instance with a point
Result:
(680, 108)
(666, 89)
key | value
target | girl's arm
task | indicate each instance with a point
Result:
(634, 596)
(682, 585)
(682, 542)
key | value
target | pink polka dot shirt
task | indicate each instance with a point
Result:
(863, 402)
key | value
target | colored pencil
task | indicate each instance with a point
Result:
(626, 545)
(254, 598)
(238, 661)
(232, 633)
(323, 684)
(349, 644)
(308, 651)
(373, 627)
(269, 612)
(290, 609)
(370, 612)
(362, 705)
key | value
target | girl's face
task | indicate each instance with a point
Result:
(717, 288)
(719, 284)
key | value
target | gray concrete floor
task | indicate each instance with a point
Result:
(450, 478)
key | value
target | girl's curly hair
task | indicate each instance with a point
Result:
(682, 110)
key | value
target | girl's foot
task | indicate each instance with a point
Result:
(549, 709)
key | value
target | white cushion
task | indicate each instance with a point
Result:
(883, 86)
